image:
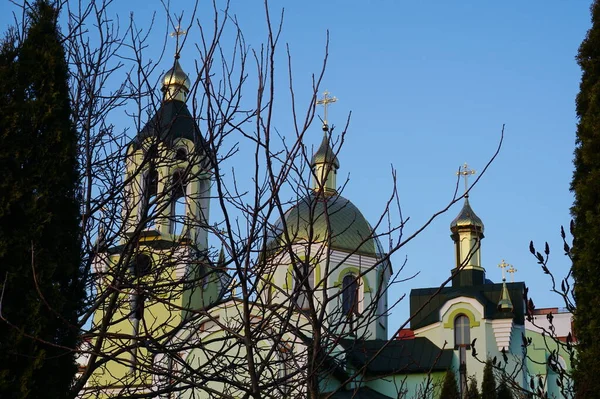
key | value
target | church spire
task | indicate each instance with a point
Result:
(505, 304)
(324, 162)
(176, 83)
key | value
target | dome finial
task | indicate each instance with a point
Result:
(176, 33)
(325, 101)
(466, 218)
(176, 83)
(325, 163)
(503, 265)
(512, 272)
(464, 171)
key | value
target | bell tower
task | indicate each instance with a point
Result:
(160, 271)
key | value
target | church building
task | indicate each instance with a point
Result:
(177, 322)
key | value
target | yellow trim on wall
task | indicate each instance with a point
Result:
(356, 271)
(290, 273)
(472, 320)
(288, 277)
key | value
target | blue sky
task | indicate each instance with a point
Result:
(429, 85)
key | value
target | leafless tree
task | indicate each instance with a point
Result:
(187, 302)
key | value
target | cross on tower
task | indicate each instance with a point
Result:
(178, 32)
(503, 265)
(325, 101)
(512, 271)
(464, 171)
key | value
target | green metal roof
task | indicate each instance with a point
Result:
(382, 357)
(318, 218)
(173, 120)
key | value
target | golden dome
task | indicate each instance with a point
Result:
(467, 218)
(325, 153)
(176, 77)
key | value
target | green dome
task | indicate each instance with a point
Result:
(334, 214)
(466, 218)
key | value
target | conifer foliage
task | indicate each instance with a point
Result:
(450, 388)
(586, 214)
(504, 391)
(39, 214)
(488, 385)
(473, 391)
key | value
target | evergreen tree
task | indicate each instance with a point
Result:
(472, 390)
(504, 391)
(488, 385)
(39, 215)
(450, 388)
(586, 214)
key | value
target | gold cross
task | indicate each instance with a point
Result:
(502, 266)
(464, 171)
(178, 32)
(325, 102)
(512, 271)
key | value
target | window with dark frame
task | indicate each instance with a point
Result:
(178, 203)
(462, 342)
(350, 297)
(302, 276)
(462, 331)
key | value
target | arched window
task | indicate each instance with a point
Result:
(150, 192)
(303, 276)
(462, 341)
(350, 295)
(178, 203)
(462, 331)
(181, 154)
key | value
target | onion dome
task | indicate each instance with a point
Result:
(329, 219)
(325, 154)
(176, 83)
(467, 218)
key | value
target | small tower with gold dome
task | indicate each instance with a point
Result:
(324, 166)
(467, 233)
(323, 250)
(324, 163)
